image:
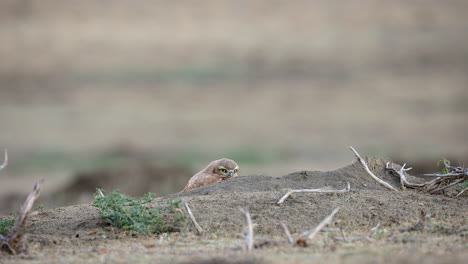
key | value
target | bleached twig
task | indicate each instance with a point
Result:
(13, 243)
(401, 174)
(310, 234)
(280, 201)
(343, 234)
(451, 174)
(460, 193)
(366, 167)
(286, 232)
(5, 161)
(448, 185)
(375, 227)
(250, 236)
(199, 229)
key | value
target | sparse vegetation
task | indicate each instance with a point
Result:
(134, 214)
(40, 208)
(445, 163)
(5, 226)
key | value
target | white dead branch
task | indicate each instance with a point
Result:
(310, 234)
(460, 193)
(451, 174)
(401, 174)
(250, 236)
(448, 185)
(13, 243)
(280, 201)
(286, 232)
(366, 167)
(454, 176)
(5, 161)
(197, 226)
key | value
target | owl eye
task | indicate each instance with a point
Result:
(223, 170)
(235, 171)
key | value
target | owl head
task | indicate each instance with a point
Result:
(224, 168)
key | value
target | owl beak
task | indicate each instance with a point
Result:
(230, 174)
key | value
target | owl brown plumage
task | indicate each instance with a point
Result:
(216, 171)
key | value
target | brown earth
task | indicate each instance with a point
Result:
(74, 234)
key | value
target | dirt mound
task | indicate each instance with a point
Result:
(367, 204)
(75, 230)
(354, 174)
(216, 205)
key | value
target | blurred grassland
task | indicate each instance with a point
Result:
(283, 85)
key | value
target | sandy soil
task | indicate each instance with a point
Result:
(74, 234)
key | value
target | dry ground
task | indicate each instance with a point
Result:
(74, 234)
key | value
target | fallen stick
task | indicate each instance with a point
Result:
(286, 231)
(451, 174)
(448, 185)
(366, 167)
(401, 174)
(460, 193)
(13, 243)
(343, 234)
(310, 234)
(375, 227)
(280, 201)
(5, 161)
(249, 238)
(197, 226)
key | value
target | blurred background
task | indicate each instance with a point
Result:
(140, 95)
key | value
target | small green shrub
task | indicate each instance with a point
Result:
(134, 214)
(6, 225)
(445, 163)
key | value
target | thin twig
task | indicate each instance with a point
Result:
(14, 241)
(375, 227)
(5, 161)
(249, 237)
(286, 231)
(401, 174)
(311, 233)
(449, 185)
(343, 233)
(199, 229)
(377, 179)
(280, 201)
(461, 192)
(450, 174)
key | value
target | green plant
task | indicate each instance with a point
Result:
(40, 208)
(445, 163)
(6, 225)
(134, 214)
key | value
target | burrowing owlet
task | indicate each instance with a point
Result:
(216, 171)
